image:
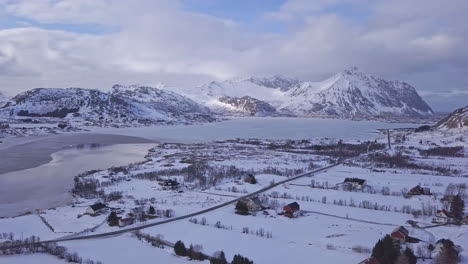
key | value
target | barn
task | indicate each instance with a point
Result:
(400, 233)
(291, 210)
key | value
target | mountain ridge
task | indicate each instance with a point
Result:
(348, 94)
(123, 104)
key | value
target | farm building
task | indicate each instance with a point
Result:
(173, 184)
(400, 233)
(126, 221)
(354, 183)
(291, 210)
(442, 217)
(95, 208)
(418, 190)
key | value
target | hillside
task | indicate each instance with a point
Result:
(457, 120)
(123, 104)
(245, 105)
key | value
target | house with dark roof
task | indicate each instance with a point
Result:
(96, 208)
(292, 210)
(418, 190)
(355, 183)
(400, 234)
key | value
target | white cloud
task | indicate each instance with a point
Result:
(159, 40)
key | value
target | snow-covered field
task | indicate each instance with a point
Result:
(337, 225)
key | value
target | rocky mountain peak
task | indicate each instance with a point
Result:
(276, 82)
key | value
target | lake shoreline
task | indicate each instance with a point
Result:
(30, 152)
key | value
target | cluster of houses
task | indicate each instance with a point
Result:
(437, 248)
(129, 218)
(254, 204)
(401, 235)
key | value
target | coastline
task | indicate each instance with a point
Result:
(30, 152)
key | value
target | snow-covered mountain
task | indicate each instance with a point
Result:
(352, 93)
(123, 104)
(348, 94)
(245, 105)
(457, 120)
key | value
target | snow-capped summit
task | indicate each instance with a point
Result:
(123, 104)
(352, 93)
(269, 89)
(276, 82)
(156, 99)
(348, 94)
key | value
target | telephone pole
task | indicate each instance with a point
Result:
(388, 137)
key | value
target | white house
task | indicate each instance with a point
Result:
(442, 217)
(95, 208)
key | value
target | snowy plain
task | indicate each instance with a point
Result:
(326, 233)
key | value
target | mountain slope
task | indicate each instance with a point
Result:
(245, 105)
(271, 90)
(123, 104)
(349, 94)
(352, 93)
(457, 120)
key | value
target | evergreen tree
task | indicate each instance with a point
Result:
(238, 259)
(112, 219)
(151, 210)
(180, 249)
(220, 258)
(409, 254)
(386, 250)
(457, 207)
(241, 208)
(378, 250)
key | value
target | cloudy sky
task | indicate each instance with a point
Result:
(96, 43)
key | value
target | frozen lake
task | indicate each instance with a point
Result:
(48, 185)
(263, 128)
